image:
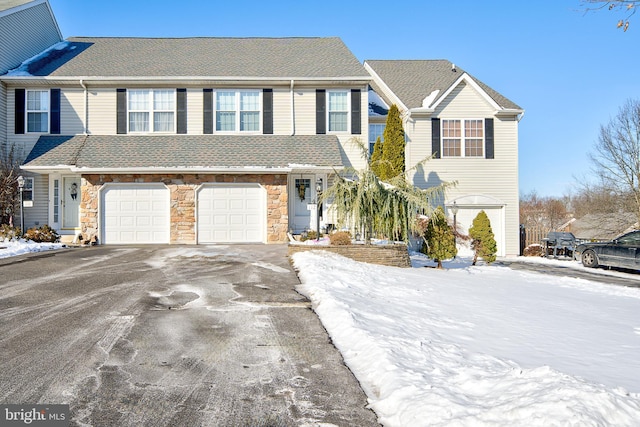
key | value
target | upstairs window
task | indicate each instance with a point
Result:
(237, 111)
(463, 138)
(37, 111)
(338, 108)
(151, 110)
(375, 130)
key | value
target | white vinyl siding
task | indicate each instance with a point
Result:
(71, 111)
(25, 33)
(282, 124)
(102, 111)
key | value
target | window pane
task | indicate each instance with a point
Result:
(451, 148)
(37, 122)
(250, 101)
(338, 101)
(138, 100)
(249, 121)
(163, 122)
(473, 129)
(338, 122)
(226, 121)
(139, 122)
(163, 100)
(37, 100)
(473, 148)
(225, 101)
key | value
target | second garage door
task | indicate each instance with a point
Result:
(231, 213)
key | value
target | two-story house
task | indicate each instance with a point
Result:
(27, 27)
(185, 140)
(469, 129)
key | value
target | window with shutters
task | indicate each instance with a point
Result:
(238, 110)
(462, 137)
(37, 111)
(338, 111)
(151, 110)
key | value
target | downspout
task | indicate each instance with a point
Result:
(86, 107)
(293, 114)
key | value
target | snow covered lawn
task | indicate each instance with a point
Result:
(19, 247)
(482, 345)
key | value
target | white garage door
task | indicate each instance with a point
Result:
(135, 213)
(231, 213)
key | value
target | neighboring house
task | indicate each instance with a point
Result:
(185, 140)
(470, 130)
(27, 27)
(603, 226)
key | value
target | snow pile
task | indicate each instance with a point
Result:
(19, 247)
(44, 56)
(481, 345)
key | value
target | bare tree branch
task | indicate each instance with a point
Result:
(626, 7)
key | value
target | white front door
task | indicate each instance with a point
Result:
(302, 195)
(71, 196)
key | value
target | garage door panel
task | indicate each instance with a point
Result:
(136, 213)
(232, 213)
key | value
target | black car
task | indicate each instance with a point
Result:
(622, 252)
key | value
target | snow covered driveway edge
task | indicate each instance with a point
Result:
(413, 362)
(20, 247)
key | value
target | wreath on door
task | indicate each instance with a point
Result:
(301, 190)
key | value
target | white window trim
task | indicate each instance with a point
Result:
(150, 110)
(463, 138)
(27, 111)
(348, 130)
(32, 189)
(237, 130)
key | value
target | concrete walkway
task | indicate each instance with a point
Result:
(171, 336)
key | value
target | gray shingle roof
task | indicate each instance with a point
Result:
(203, 57)
(10, 4)
(414, 80)
(185, 151)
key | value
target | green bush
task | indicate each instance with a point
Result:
(483, 240)
(309, 235)
(439, 240)
(340, 238)
(42, 234)
(9, 233)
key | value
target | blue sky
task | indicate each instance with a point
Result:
(569, 70)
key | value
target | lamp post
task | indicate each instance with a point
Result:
(318, 193)
(21, 187)
(454, 211)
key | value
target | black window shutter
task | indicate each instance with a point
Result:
(181, 103)
(55, 112)
(356, 127)
(321, 116)
(208, 110)
(435, 138)
(267, 111)
(121, 107)
(488, 139)
(19, 111)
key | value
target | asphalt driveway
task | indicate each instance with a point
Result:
(170, 336)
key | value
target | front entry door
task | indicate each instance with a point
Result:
(303, 195)
(71, 202)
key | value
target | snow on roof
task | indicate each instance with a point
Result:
(37, 61)
(377, 106)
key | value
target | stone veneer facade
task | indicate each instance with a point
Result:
(183, 189)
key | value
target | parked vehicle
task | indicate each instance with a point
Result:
(622, 252)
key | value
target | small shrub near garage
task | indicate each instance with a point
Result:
(9, 233)
(44, 234)
(340, 238)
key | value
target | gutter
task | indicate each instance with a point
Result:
(293, 114)
(86, 108)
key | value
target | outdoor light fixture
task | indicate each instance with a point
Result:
(318, 193)
(20, 180)
(454, 211)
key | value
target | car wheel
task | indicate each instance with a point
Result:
(589, 258)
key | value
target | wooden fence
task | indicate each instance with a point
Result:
(534, 235)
